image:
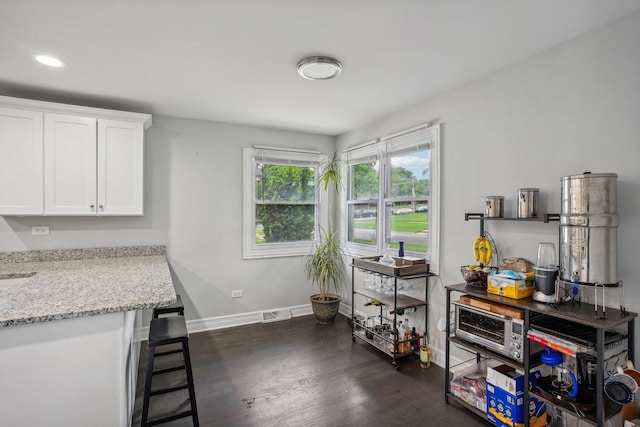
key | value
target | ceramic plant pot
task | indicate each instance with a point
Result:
(325, 311)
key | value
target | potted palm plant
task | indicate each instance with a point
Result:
(325, 265)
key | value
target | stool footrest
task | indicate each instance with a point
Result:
(164, 371)
(170, 418)
(168, 390)
(166, 353)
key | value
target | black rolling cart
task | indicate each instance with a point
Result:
(375, 334)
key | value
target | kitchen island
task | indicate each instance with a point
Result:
(67, 320)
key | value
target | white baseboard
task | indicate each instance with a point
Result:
(221, 322)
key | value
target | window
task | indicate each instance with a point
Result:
(363, 191)
(392, 194)
(282, 209)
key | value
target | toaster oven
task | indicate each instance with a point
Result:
(497, 332)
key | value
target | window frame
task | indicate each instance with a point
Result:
(369, 151)
(281, 156)
(384, 148)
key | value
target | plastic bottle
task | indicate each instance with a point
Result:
(425, 353)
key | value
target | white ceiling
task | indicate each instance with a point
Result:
(235, 60)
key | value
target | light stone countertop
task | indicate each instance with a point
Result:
(82, 282)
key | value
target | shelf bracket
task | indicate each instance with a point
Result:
(471, 215)
(551, 217)
(599, 314)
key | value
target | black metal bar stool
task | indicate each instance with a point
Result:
(176, 307)
(163, 331)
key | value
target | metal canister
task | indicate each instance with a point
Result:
(494, 207)
(589, 228)
(528, 202)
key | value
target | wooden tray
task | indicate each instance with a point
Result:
(373, 264)
(408, 260)
(492, 306)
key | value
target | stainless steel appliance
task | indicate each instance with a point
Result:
(615, 344)
(528, 202)
(581, 360)
(503, 334)
(494, 207)
(588, 228)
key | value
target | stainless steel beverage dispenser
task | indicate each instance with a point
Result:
(588, 228)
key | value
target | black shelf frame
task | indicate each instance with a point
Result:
(546, 218)
(399, 302)
(582, 313)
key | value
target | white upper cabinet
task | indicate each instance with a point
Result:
(20, 162)
(65, 160)
(70, 165)
(120, 167)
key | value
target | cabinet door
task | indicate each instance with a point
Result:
(120, 167)
(69, 165)
(21, 188)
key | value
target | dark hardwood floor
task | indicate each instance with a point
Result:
(298, 373)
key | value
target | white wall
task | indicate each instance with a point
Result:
(567, 110)
(193, 204)
(564, 111)
(202, 199)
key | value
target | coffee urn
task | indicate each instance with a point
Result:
(588, 229)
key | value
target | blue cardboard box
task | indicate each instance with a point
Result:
(505, 399)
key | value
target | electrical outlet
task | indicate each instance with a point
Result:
(236, 294)
(42, 230)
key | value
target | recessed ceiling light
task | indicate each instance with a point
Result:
(319, 68)
(49, 60)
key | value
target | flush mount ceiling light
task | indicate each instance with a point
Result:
(319, 68)
(49, 60)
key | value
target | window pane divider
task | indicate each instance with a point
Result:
(284, 202)
(362, 202)
(406, 199)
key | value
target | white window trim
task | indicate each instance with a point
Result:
(379, 145)
(434, 237)
(251, 250)
(363, 151)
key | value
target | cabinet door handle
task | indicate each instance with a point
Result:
(100, 206)
(92, 206)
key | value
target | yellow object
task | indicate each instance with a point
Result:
(510, 288)
(482, 250)
(425, 356)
